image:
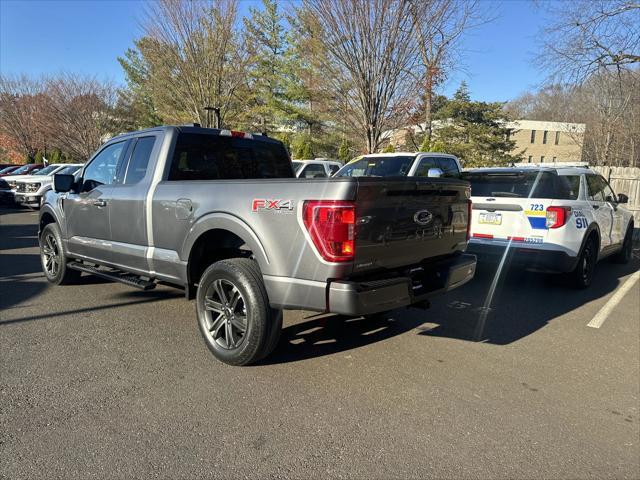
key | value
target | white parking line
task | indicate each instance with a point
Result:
(603, 314)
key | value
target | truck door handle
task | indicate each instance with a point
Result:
(595, 207)
(100, 203)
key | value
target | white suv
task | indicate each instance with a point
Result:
(554, 219)
(402, 164)
(29, 190)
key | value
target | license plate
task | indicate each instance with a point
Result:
(490, 218)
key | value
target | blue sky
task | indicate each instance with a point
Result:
(39, 37)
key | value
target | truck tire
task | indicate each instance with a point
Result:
(275, 324)
(625, 253)
(54, 262)
(583, 273)
(233, 311)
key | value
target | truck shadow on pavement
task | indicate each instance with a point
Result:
(523, 303)
(326, 334)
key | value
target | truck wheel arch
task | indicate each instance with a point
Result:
(46, 217)
(216, 237)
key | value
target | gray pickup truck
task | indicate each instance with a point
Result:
(220, 214)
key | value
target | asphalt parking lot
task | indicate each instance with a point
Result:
(100, 380)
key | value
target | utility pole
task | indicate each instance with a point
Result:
(216, 113)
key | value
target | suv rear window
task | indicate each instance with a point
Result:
(397, 166)
(524, 185)
(212, 157)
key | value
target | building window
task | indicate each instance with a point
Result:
(544, 137)
(533, 136)
(530, 158)
(557, 138)
(542, 159)
(554, 159)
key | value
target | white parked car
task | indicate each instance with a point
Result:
(317, 168)
(552, 219)
(30, 189)
(402, 164)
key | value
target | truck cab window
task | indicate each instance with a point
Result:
(214, 157)
(102, 169)
(139, 161)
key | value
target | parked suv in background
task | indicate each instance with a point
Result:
(29, 190)
(403, 164)
(318, 168)
(8, 182)
(552, 219)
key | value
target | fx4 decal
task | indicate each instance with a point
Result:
(272, 205)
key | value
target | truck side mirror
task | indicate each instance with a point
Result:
(622, 198)
(63, 183)
(434, 172)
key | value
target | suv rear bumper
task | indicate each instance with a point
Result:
(555, 261)
(417, 285)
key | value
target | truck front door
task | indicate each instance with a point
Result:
(87, 212)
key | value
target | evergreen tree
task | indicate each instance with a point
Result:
(475, 132)
(267, 46)
(38, 158)
(389, 149)
(343, 152)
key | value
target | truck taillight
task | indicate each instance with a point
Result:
(331, 225)
(469, 208)
(557, 216)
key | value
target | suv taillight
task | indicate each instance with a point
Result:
(557, 216)
(331, 225)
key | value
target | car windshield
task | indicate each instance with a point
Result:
(21, 170)
(7, 169)
(518, 184)
(69, 170)
(296, 165)
(387, 166)
(48, 170)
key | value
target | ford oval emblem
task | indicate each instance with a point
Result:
(422, 217)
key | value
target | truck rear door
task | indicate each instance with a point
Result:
(401, 222)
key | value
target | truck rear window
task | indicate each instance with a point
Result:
(524, 185)
(213, 157)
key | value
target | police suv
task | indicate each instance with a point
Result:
(548, 218)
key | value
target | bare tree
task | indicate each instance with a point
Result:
(369, 51)
(22, 106)
(438, 26)
(589, 36)
(194, 57)
(80, 113)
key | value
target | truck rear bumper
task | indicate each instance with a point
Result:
(417, 285)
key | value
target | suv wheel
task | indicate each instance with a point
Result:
(233, 311)
(54, 263)
(583, 273)
(624, 255)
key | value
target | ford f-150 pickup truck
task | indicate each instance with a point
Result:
(221, 214)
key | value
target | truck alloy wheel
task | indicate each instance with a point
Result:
(51, 256)
(53, 259)
(234, 315)
(225, 314)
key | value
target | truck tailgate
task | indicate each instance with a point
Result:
(405, 221)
